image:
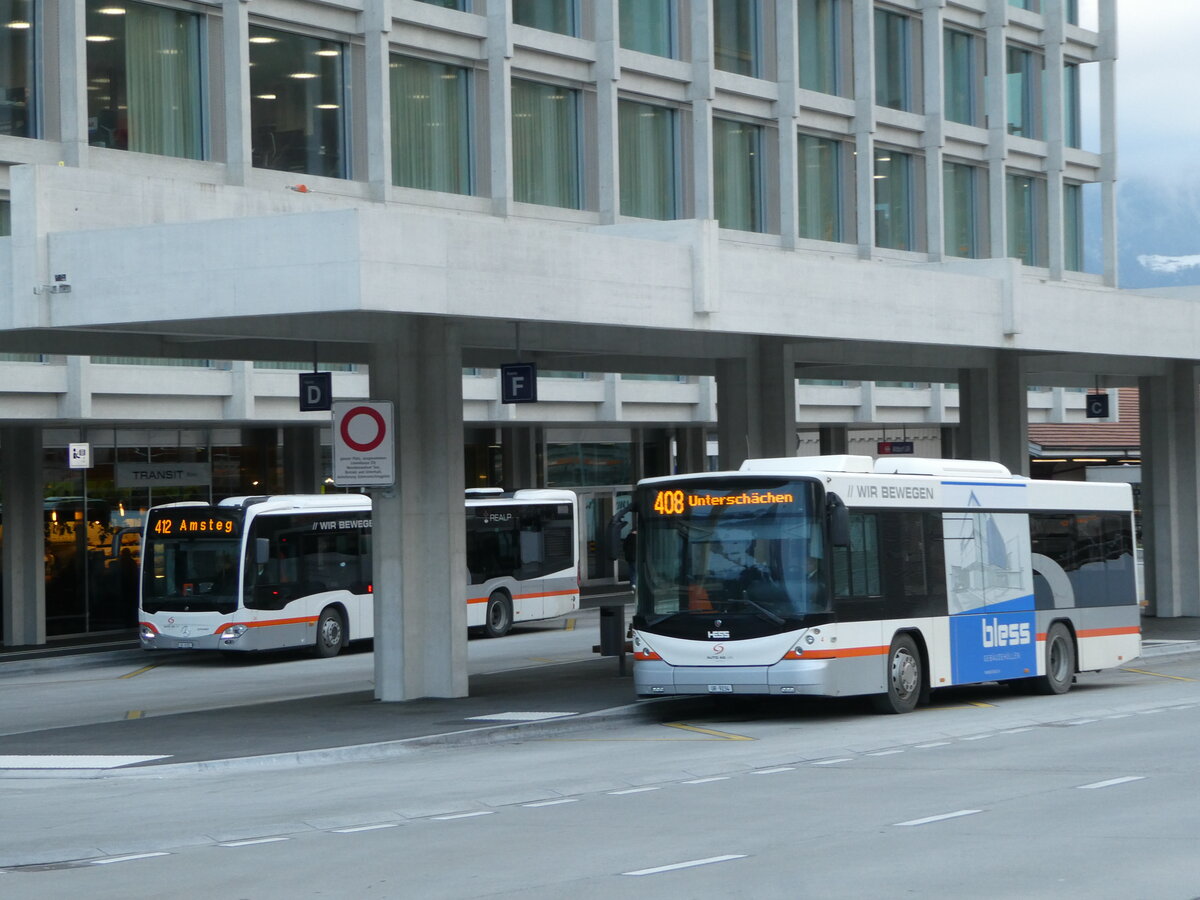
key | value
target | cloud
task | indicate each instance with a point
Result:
(1169, 264)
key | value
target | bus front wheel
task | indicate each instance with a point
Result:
(498, 618)
(1060, 662)
(905, 678)
(330, 633)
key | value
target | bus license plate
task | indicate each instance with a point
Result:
(720, 688)
(184, 645)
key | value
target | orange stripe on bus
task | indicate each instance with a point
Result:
(845, 652)
(525, 596)
(1109, 632)
(267, 623)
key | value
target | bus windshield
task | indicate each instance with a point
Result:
(191, 563)
(743, 547)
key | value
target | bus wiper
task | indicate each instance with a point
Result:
(761, 610)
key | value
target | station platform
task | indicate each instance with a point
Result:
(502, 706)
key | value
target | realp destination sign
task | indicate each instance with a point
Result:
(131, 475)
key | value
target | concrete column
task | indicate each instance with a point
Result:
(419, 530)
(976, 415)
(499, 92)
(691, 450)
(608, 74)
(1054, 74)
(1108, 137)
(235, 52)
(933, 80)
(787, 47)
(701, 93)
(996, 110)
(519, 446)
(1170, 481)
(72, 82)
(377, 28)
(864, 126)
(24, 581)
(756, 404)
(302, 460)
(994, 415)
(834, 439)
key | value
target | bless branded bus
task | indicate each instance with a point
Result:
(265, 573)
(838, 576)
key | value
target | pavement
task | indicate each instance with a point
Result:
(354, 726)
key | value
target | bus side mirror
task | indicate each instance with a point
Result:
(612, 534)
(839, 520)
(262, 551)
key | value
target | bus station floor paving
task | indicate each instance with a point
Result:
(355, 726)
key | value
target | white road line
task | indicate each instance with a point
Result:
(551, 802)
(1083, 721)
(632, 791)
(482, 812)
(941, 818)
(707, 780)
(1016, 730)
(932, 745)
(1120, 716)
(885, 753)
(774, 771)
(978, 737)
(359, 828)
(831, 762)
(117, 859)
(270, 840)
(1110, 782)
(1148, 712)
(687, 865)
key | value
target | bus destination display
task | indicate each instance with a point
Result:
(190, 525)
(677, 502)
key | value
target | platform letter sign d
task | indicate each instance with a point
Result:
(518, 383)
(316, 391)
(1097, 406)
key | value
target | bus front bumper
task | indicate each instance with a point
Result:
(655, 678)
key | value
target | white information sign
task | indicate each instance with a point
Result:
(79, 456)
(363, 444)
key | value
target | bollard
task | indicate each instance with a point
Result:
(612, 633)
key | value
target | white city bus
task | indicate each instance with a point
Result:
(265, 573)
(838, 576)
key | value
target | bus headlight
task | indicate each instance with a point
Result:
(148, 633)
(233, 632)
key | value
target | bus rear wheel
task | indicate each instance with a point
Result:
(498, 618)
(905, 678)
(1060, 662)
(330, 633)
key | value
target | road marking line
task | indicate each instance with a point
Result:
(1110, 782)
(640, 790)
(1148, 712)
(469, 815)
(941, 818)
(1159, 675)
(885, 753)
(551, 802)
(1016, 730)
(252, 841)
(830, 762)
(358, 828)
(133, 714)
(723, 735)
(1120, 716)
(707, 780)
(979, 704)
(520, 716)
(932, 745)
(774, 771)
(569, 625)
(140, 671)
(117, 859)
(1083, 721)
(687, 865)
(978, 737)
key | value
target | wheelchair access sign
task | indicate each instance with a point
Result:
(363, 444)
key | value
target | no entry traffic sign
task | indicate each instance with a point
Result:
(363, 445)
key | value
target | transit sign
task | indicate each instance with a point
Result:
(363, 444)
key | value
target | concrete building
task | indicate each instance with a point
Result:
(763, 205)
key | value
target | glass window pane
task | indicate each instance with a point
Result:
(1024, 91)
(143, 71)
(1026, 221)
(447, 4)
(545, 144)
(297, 103)
(893, 200)
(892, 67)
(5, 218)
(1073, 227)
(961, 200)
(960, 75)
(820, 182)
(548, 15)
(430, 126)
(16, 68)
(647, 160)
(819, 42)
(736, 46)
(737, 175)
(648, 26)
(1072, 120)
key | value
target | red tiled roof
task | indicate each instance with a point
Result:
(1124, 435)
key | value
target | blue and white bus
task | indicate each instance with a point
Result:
(267, 573)
(841, 576)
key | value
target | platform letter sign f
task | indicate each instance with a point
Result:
(518, 383)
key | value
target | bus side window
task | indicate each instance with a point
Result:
(856, 568)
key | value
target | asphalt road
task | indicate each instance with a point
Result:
(984, 794)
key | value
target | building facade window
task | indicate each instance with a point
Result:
(1073, 259)
(1024, 93)
(893, 60)
(18, 31)
(5, 218)
(447, 4)
(819, 23)
(431, 133)
(143, 79)
(1026, 219)
(962, 209)
(895, 217)
(737, 174)
(545, 136)
(649, 26)
(963, 78)
(737, 40)
(820, 184)
(648, 141)
(1031, 5)
(1072, 117)
(297, 103)
(560, 16)
(1071, 11)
